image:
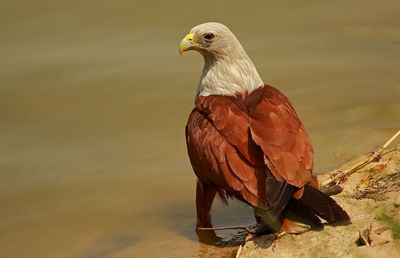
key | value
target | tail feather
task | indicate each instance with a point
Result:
(323, 205)
(298, 211)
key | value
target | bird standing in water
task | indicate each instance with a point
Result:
(245, 140)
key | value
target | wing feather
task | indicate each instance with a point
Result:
(277, 129)
(215, 160)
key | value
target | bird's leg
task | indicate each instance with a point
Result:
(205, 194)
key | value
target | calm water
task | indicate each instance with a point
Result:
(94, 99)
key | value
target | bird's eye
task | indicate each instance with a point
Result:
(208, 36)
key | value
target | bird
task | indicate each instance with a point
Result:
(246, 141)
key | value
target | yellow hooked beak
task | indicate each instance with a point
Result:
(186, 43)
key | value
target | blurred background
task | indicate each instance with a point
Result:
(94, 99)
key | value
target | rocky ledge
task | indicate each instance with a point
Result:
(371, 196)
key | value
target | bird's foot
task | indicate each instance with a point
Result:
(207, 236)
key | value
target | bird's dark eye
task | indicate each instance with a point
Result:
(208, 36)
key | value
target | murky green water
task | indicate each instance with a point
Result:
(94, 99)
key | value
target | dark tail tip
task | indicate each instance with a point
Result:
(323, 205)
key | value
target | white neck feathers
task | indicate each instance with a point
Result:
(227, 76)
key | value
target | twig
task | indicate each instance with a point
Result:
(227, 228)
(337, 178)
(239, 251)
(365, 236)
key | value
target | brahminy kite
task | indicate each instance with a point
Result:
(245, 140)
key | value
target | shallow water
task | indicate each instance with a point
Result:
(94, 99)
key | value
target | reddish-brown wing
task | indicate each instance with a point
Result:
(277, 129)
(228, 114)
(218, 144)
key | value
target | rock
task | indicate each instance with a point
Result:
(371, 196)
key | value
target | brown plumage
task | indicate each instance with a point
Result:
(249, 143)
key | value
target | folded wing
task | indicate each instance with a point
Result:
(277, 129)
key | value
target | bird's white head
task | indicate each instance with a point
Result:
(228, 69)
